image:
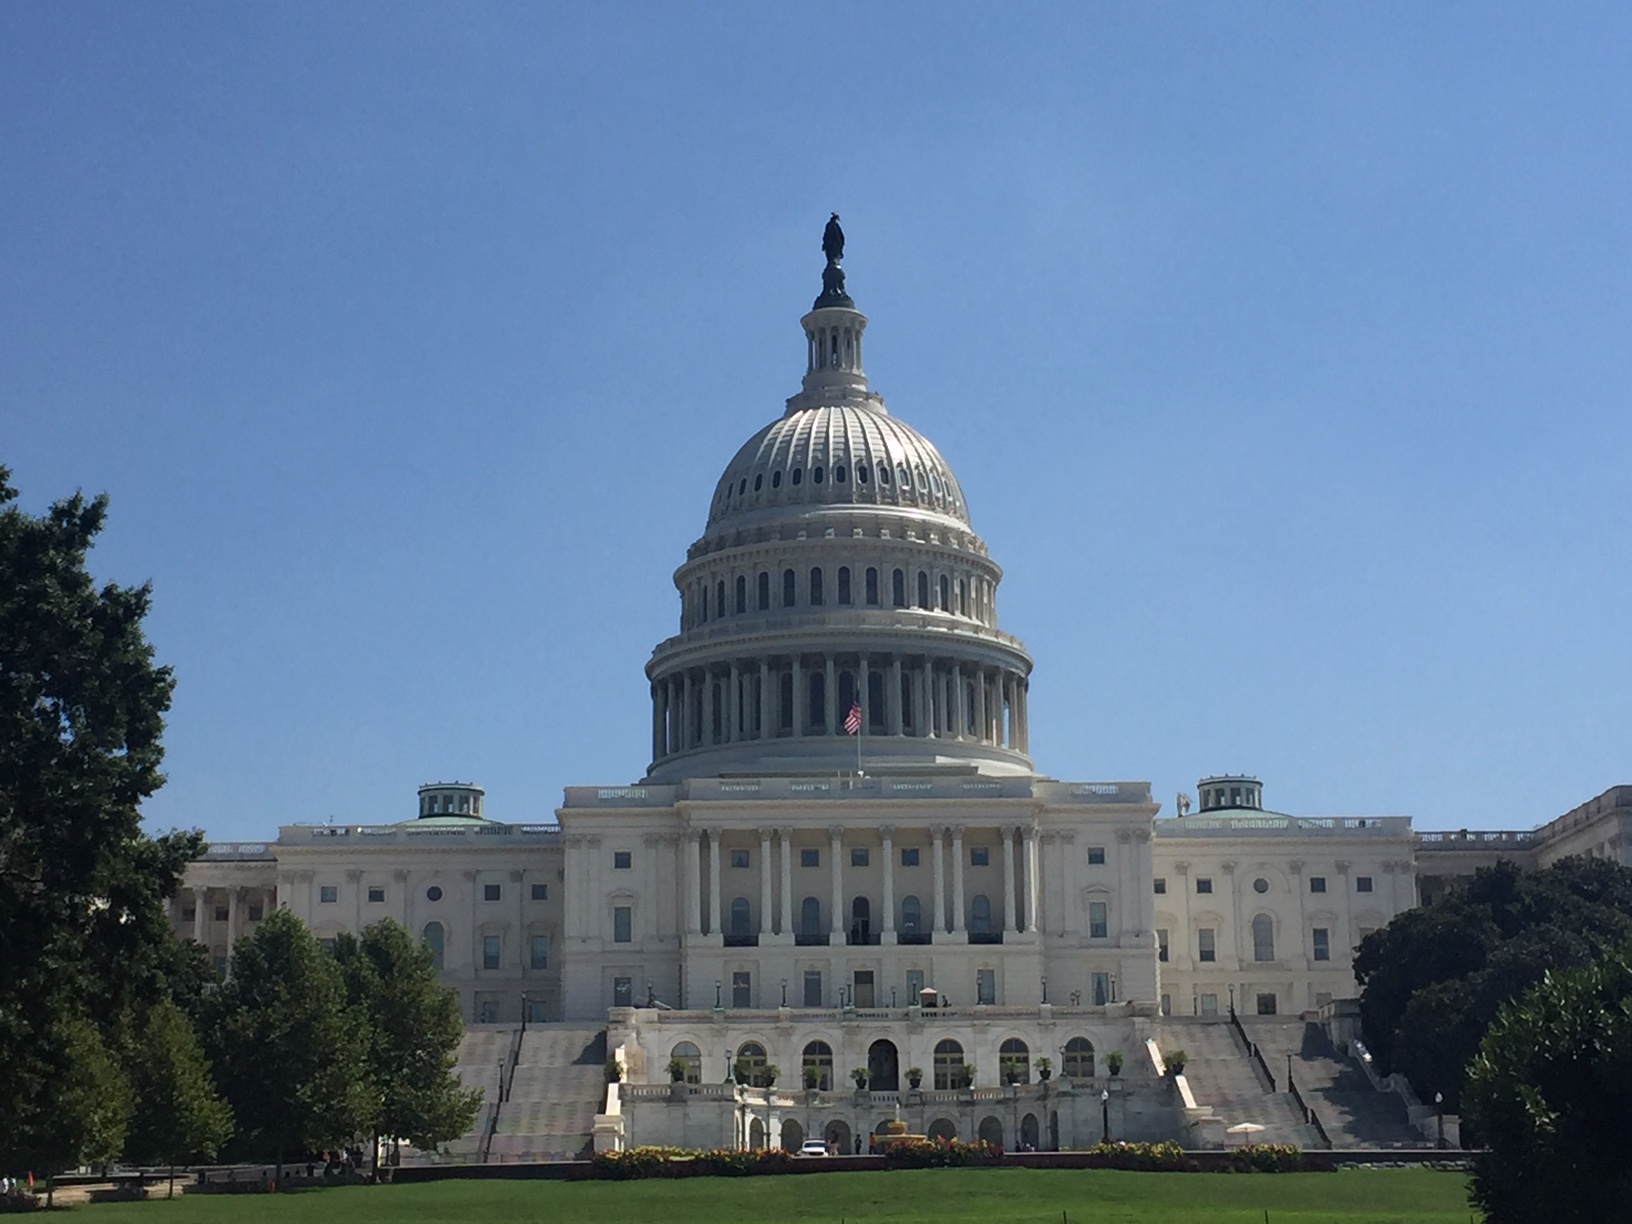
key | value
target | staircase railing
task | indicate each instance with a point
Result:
(1253, 1051)
(507, 1079)
(1309, 1114)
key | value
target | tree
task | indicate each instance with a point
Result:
(81, 888)
(1550, 1092)
(414, 1028)
(179, 1115)
(288, 1048)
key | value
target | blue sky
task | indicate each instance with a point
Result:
(1281, 351)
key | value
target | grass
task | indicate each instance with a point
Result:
(933, 1196)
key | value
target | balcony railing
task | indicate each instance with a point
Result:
(742, 941)
(985, 937)
(811, 941)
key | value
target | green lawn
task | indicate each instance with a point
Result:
(934, 1196)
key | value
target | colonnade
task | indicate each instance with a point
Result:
(809, 694)
(1022, 907)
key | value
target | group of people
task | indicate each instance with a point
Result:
(15, 1186)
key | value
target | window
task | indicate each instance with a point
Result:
(1317, 884)
(980, 915)
(690, 1059)
(810, 858)
(189, 913)
(621, 861)
(915, 986)
(1362, 883)
(541, 892)
(1099, 988)
(1167, 1005)
(948, 1065)
(376, 894)
(328, 894)
(872, 587)
(1266, 1005)
(861, 989)
(538, 952)
(813, 987)
(844, 585)
(1323, 944)
(986, 986)
(1096, 856)
(858, 856)
(492, 892)
(1161, 945)
(221, 913)
(622, 921)
(719, 598)
(923, 589)
(898, 589)
(432, 935)
(946, 594)
(909, 856)
(788, 591)
(1098, 924)
(623, 992)
(979, 856)
(1260, 886)
(255, 912)
(1263, 938)
(1208, 1004)
(963, 597)
(1077, 1059)
(742, 593)
(810, 918)
(816, 587)
(739, 918)
(816, 1063)
(433, 893)
(1014, 1061)
(763, 591)
(490, 951)
(911, 915)
(739, 858)
(1204, 885)
(1161, 886)
(742, 995)
(1205, 948)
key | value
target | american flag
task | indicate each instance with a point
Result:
(852, 720)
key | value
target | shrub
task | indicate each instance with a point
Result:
(861, 1076)
(614, 1071)
(677, 1071)
(812, 1076)
(915, 1076)
(1175, 1061)
(919, 1153)
(1045, 1067)
(1113, 1062)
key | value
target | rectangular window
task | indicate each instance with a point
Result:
(1317, 884)
(979, 856)
(1100, 986)
(915, 986)
(1205, 949)
(1209, 1004)
(622, 921)
(622, 860)
(220, 913)
(1323, 944)
(1167, 1005)
(255, 912)
(909, 856)
(858, 856)
(189, 913)
(376, 894)
(872, 587)
(492, 892)
(328, 894)
(1204, 885)
(541, 892)
(490, 951)
(810, 858)
(1322, 997)
(1098, 923)
(742, 993)
(537, 1013)
(862, 994)
(623, 992)
(813, 987)
(1096, 856)
(1266, 1005)
(1362, 883)
(1161, 945)
(1161, 886)
(739, 858)
(985, 986)
(538, 952)
(844, 584)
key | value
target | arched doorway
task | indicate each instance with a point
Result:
(838, 1137)
(1029, 1133)
(1078, 1059)
(793, 1135)
(948, 1066)
(756, 1133)
(883, 1067)
(943, 1128)
(991, 1130)
(818, 1058)
(1014, 1060)
(861, 921)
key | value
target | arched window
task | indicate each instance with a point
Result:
(883, 473)
(963, 597)
(907, 723)
(980, 915)
(818, 699)
(912, 916)
(844, 585)
(948, 1066)
(750, 1064)
(719, 598)
(810, 918)
(789, 583)
(1078, 1059)
(861, 921)
(432, 936)
(776, 479)
(872, 587)
(923, 589)
(818, 1057)
(1014, 1061)
(898, 589)
(784, 690)
(838, 473)
(1263, 938)
(816, 586)
(739, 918)
(798, 475)
(692, 1059)
(742, 594)
(764, 591)
(946, 593)
(702, 604)
(875, 702)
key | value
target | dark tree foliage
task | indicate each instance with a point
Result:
(81, 887)
(1434, 978)
(178, 1115)
(1550, 1093)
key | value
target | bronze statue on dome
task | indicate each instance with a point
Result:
(833, 240)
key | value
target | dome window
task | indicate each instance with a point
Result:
(884, 474)
(742, 487)
(838, 473)
(798, 475)
(776, 480)
(923, 481)
(816, 474)
(935, 483)
(861, 473)
(905, 476)
(759, 480)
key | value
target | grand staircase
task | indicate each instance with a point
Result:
(1354, 1113)
(557, 1087)
(1221, 1074)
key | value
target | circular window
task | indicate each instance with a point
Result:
(433, 893)
(776, 480)
(1260, 885)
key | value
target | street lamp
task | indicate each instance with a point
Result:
(1439, 1109)
(1232, 998)
(1289, 1070)
(1105, 1113)
(1045, 988)
(716, 992)
(524, 1011)
(784, 992)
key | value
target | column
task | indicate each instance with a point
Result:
(657, 722)
(830, 696)
(863, 696)
(706, 735)
(980, 705)
(734, 706)
(1025, 717)
(1006, 710)
(1034, 905)
(1009, 923)
(957, 878)
(801, 703)
(835, 835)
(887, 927)
(673, 731)
(232, 917)
(714, 927)
(955, 723)
(201, 898)
(892, 699)
(786, 838)
(765, 731)
(937, 838)
(694, 882)
(926, 707)
(766, 900)
(687, 731)
(937, 699)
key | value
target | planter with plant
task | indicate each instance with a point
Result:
(1175, 1060)
(915, 1078)
(967, 1079)
(861, 1076)
(677, 1071)
(769, 1074)
(1113, 1062)
(812, 1076)
(614, 1071)
(1045, 1068)
(742, 1071)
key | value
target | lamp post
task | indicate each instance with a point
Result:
(1105, 1113)
(784, 992)
(1232, 998)
(716, 993)
(1439, 1110)
(1289, 1070)
(524, 1010)
(728, 1064)
(1045, 988)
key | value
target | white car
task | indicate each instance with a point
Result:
(813, 1147)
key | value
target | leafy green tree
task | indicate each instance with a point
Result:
(179, 1116)
(82, 889)
(414, 1027)
(1550, 1092)
(288, 1048)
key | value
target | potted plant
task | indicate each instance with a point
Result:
(968, 1077)
(1011, 1071)
(1113, 1062)
(769, 1074)
(915, 1078)
(812, 1076)
(1175, 1061)
(742, 1071)
(614, 1071)
(677, 1071)
(861, 1076)
(1045, 1068)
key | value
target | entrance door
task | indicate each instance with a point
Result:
(864, 988)
(883, 1067)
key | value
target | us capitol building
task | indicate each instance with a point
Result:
(841, 855)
